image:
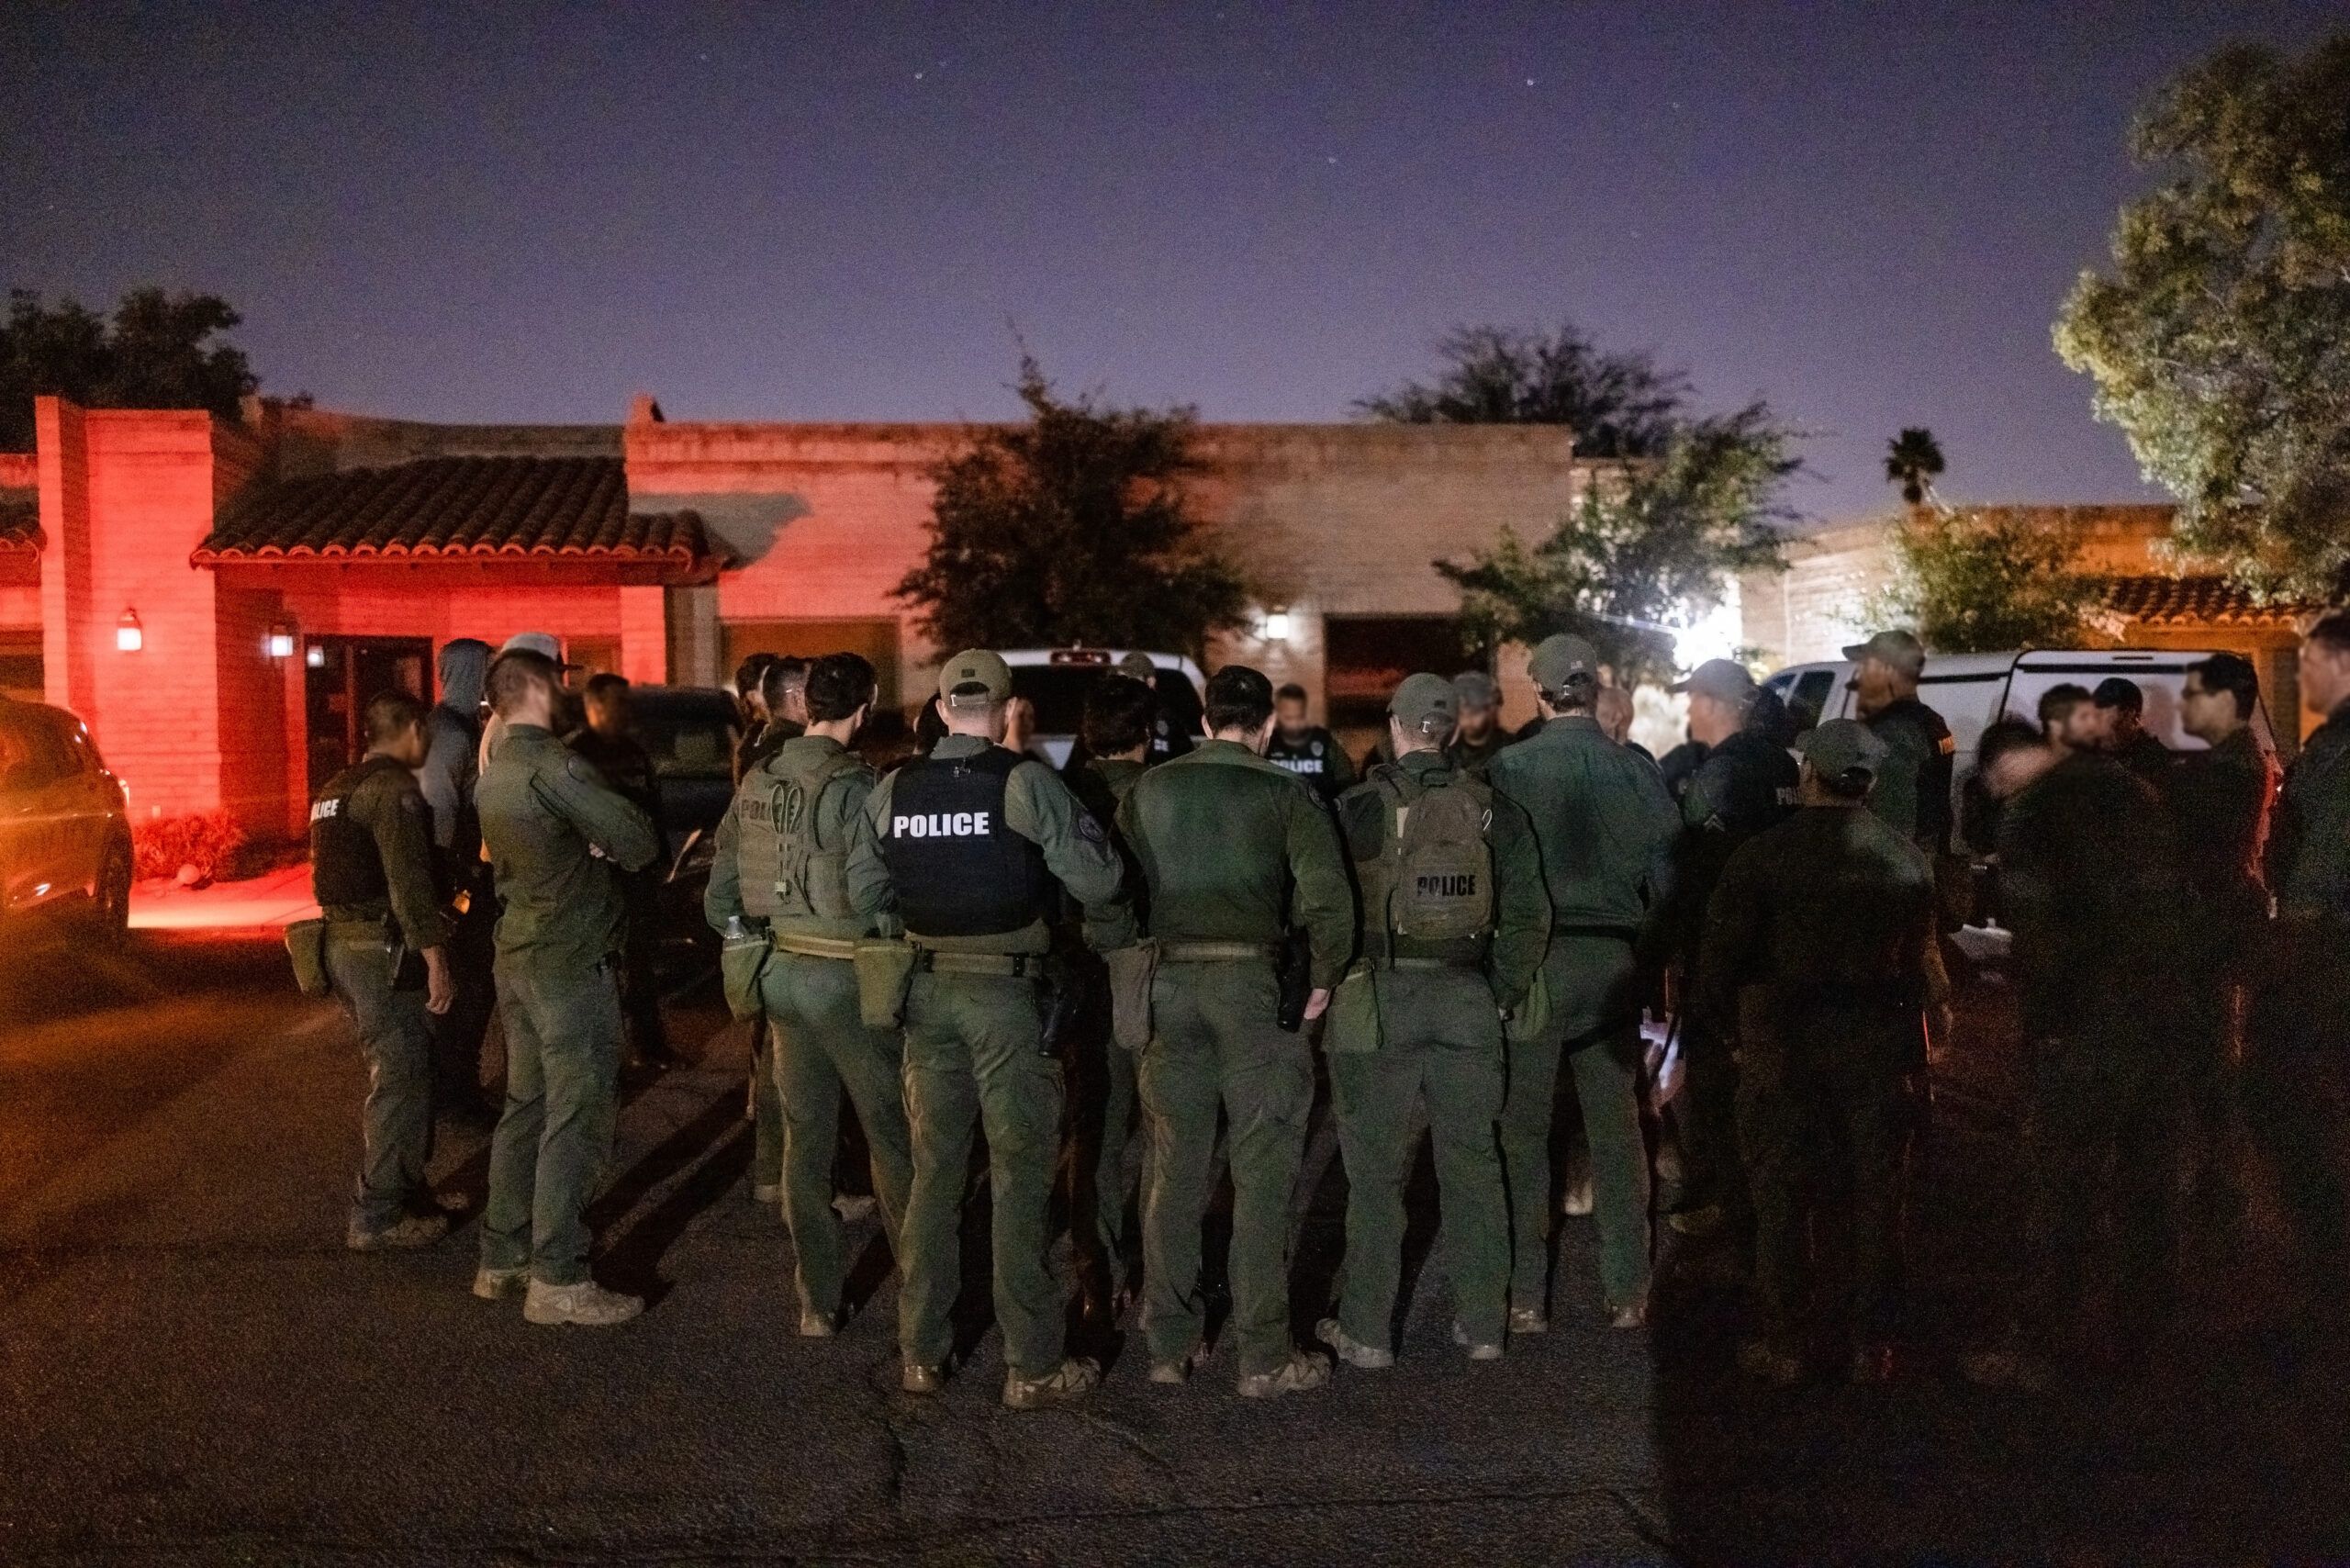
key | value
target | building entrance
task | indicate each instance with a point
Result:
(341, 674)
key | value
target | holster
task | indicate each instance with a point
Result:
(1131, 969)
(741, 963)
(305, 944)
(1293, 973)
(885, 972)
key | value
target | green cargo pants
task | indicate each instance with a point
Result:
(1827, 1088)
(820, 1046)
(397, 1122)
(1102, 1116)
(2098, 1127)
(767, 1107)
(1442, 1039)
(974, 1057)
(563, 1058)
(1214, 1043)
(1594, 1025)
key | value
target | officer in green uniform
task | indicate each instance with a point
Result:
(2089, 884)
(558, 837)
(1306, 749)
(371, 869)
(783, 687)
(1454, 925)
(1232, 849)
(1913, 788)
(781, 852)
(964, 846)
(1605, 829)
(1819, 955)
(1117, 732)
(2300, 1084)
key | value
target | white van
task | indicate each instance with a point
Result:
(1054, 681)
(1971, 690)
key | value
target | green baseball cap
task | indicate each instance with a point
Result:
(1900, 649)
(1724, 680)
(976, 666)
(1559, 657)
(1476, 689)
(1838, 746)
(1139, 666)
(1426, 704)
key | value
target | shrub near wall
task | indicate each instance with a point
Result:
(195, 848)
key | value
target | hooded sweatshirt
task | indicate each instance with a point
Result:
(452, 732)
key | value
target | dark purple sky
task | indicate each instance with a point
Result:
(528, 212)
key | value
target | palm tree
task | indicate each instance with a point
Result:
(1911, 461)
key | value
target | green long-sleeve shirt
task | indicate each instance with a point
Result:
(1604, 823)
(1233, 848)
(391, 807)
(1039, 807)
(2309, 849)
(557, 832)
(1521, 908)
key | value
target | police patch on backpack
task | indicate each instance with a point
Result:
(1436, 867)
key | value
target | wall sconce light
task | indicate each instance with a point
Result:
(316, 656)
(1275, 627)
(281, 640)
(128, 635)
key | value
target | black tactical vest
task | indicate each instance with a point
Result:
(959, 870)
(346, 867)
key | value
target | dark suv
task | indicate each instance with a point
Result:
(64, 821)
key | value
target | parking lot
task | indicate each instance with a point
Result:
(194, 1370)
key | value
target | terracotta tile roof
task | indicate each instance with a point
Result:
(443, 507)
(20, 519)
(2155, 601)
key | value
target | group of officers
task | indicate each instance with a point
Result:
(961, 943)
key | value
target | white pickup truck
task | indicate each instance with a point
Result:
(1054, 681)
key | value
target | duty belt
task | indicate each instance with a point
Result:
(1424, 964)
(1177, 952)
(1009, 966)
(842, 948)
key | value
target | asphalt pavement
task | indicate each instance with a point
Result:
(193, 1370)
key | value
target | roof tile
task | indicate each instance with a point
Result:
(2196, 601)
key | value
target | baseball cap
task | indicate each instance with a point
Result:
(543, 643)
(1426, 704)
(1725, 679)
(1838, 746)
(1475, 689)
(1900, 649)
(1139, 666)
(2115, 692)
(976, 666)
(1560, 656)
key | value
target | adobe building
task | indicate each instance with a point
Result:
(218, 599)
(2147, 600)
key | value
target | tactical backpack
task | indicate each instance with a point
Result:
(1434, 877)
(806, 881)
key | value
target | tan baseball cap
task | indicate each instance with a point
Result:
(1900, 649)
(1137, 666)
(1426, 704)
(543, 643)
(1724, 680)
(976, 666)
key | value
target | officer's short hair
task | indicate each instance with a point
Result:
(2233, 673)
(1290, 692)
(2331, 632)
(750, 673)
(1118, 713)
(838, 685)
(2005, 737)
(1238, 698)
(390, 715)
(514, 673)
(788, 674)
(603, 684)
(2059, 700)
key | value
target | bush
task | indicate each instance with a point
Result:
(203, 840)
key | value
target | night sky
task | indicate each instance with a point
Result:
(1868, 214)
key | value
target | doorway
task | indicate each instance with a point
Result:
(341, 674)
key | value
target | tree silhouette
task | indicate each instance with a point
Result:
(1911, 461)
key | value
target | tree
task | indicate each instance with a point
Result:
(1072, 529)
(1912, 459)
(157, 353)
(1987, 582)
(1618, 405)
(1647, 548)
(2221, 341)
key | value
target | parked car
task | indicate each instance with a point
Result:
(1054, 681)
(64, 819)
(690, 732)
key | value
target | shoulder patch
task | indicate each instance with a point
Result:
(1090, 829)
(1949, 744)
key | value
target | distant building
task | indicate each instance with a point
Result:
(1814, 608)
(276, 572)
